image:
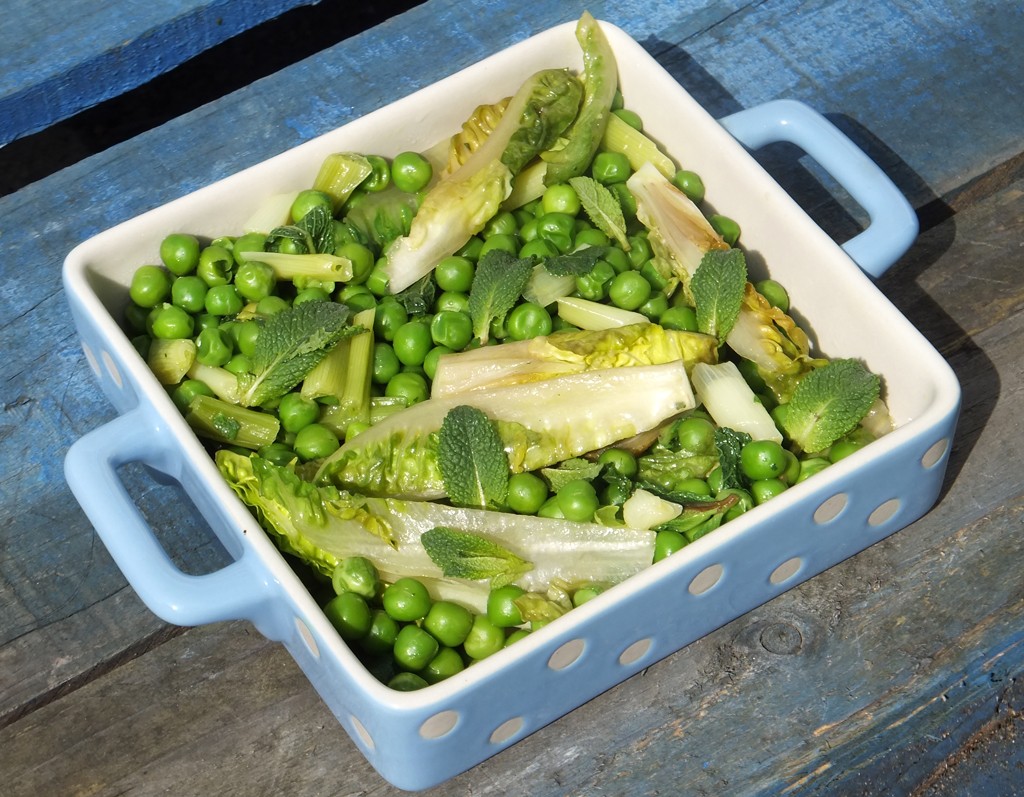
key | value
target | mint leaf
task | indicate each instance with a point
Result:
(472, 459)
(575, 264)
(729, 443)
(461, 554)
(717, 286)
(314, 232)
(828, 403)
(602, 208)
(290, 344)
(497, 285)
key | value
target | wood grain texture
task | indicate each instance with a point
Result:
(871, 678)
(60, 58)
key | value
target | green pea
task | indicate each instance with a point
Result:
(667, 542)
(213, 348)
(762, 459)
(245, 334)
(313, 293)
(350, 615)
(551, 509)
(842, 449)
(449, 623)
(451, 329)
(620, 460)
(626, 201)
(631, 118)
(617, 259)
(560, 198)
(444, 665)
(639, 250)
(180, 253)
(296, 412)
(172, 323)
(380, 176)
(390, 315)
(810, 466)
(690, 184)
(308, 200)
(377, 279)
(223, 300)
(408, 385)
(679, 317)
(315, 441)
(406, 600)
(765, 489)
(189, 293)
(502, 223)
(502, 611)
(587, 593)
(357, 298)
(356, 574)
(255, 281)
(578, 500)
(485, 638)
(629, 290)
(239, 365)
(471, 249)
(454, 273)
(591, 236)
(248, 243)
(407, 682)
(361, 258)
(774, 293)
(539, 248)
(792, 472)
(382, 634)
(150, 286)
(414, 648)
(655, 307)
(183, 394)
(412, 342)
(411, 172)
(452, 300)
(215, 265)
(610, 167)
(594, 284)
(528, 320)
(278, 453)
(502, 242)
(726, 227)
(558, 229)
(695, 435)
(385, 363)
(516, 635)
(527, 492)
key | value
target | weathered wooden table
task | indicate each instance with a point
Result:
(896, 672)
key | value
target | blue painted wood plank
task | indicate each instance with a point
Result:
(57, 59)
(874, 65)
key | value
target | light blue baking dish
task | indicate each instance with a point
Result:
(418, 739)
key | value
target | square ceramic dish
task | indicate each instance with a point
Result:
(418, 739)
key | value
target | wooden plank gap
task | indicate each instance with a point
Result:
(100, 669)
(996, 179)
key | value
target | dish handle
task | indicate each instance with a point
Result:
(893, 224)
(236, 591)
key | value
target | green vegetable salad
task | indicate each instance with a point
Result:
(469, 389)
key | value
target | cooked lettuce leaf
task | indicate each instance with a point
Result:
(323, 526)
(540, 423)
(570, 351)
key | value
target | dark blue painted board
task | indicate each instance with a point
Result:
(57, 59)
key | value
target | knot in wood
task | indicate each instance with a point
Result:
(781, 638)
